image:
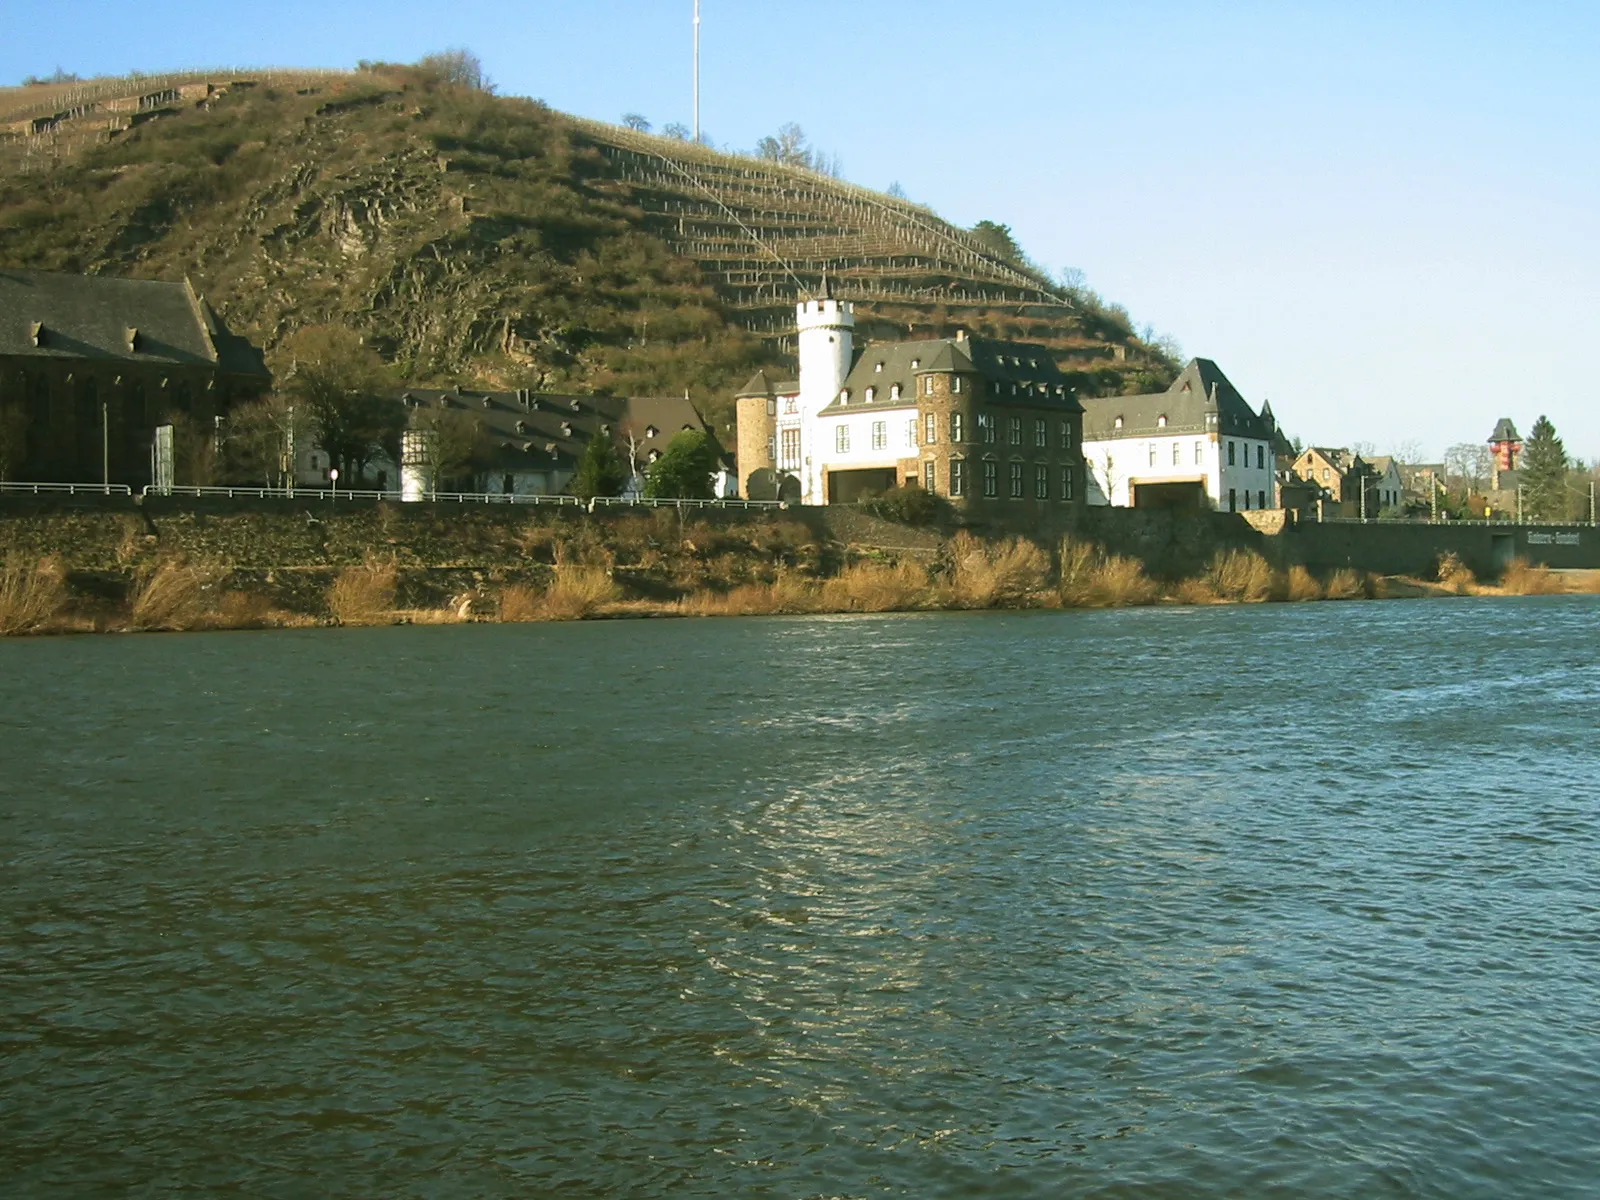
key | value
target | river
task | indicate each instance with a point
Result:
(1289, 900)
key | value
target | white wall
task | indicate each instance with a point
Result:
(1200, 456)
(898, 443)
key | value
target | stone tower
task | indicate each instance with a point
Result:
(827, 348)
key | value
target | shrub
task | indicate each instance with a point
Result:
(1523, 579)
(1454, 574)
(1345, 584)
(1091, 578)
(1194, 591)
(1240, 575)
(999, 575)
(31, 597)
(909, 506)
(576, 593)
(170, 595)
(244, 610)
(519, 602)
(364, 595)
(1303, 585)
(788, 593)
(876, 587)
(1121, 582)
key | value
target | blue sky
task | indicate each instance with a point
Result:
(1382, 216)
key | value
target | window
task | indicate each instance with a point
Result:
(930, 475)
(927, 385)
(911, 433)
(1066, 483)
(915, 363)
(880, 435)
(772, 447)
(841, 438)
(1199, 453)
(1152, 454)
(1177, 453)
(991, 478)
(1014, 431)
(894, 391)
(844, 396)
(1016, 481)
(955, 384)
(1233, 501)
(1066, 435)
(958, 477)
(1324, 474)
(1041, 482)
(1261, 458)
(1161, 421)
(1247, 500)
(1261, 499)
(1041, 435)
(986, 428)
(1117, 424)
(790, 441)
(958, 431)
(872, 394)
(930, 428)
(791, 405)
(878, 367)
(1230, 454)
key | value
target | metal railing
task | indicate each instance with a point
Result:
(67, 489)
(333, 495)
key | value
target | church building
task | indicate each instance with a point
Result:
(978, 421)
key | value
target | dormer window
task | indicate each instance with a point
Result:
(130, 337)
(1117, 424)
(894, 391)
(35, 332)
(654, 455)
(566, 429)
(878, 368)
(522, 427)
(844, 396)
(872, 392)
(651, 431)
(1161, 421)
(916, 363)
(1034, 363)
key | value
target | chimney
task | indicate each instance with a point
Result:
(961, 335)
(35, 331)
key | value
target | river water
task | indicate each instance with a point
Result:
(1287, 900)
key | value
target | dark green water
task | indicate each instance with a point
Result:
(1292, 900)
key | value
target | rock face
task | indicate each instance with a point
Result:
(491, 241)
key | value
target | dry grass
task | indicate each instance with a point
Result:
(245, 610)
(171, 595)
(31, 597)
(519, 602)
(1000, 575)
(1242, 575)
(577, 592)
(364, 595)
(1193, 591)
(877, 587)
(1303, 585)
(1345, 584)
(1454, 575)
(1523, 579)
(788, 593)
(1090, 578)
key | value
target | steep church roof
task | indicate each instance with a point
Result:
(1504, 431)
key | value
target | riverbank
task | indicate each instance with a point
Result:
(205, 574)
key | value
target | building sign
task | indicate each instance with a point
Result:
(1552, 539)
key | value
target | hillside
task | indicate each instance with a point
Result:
(492, 241)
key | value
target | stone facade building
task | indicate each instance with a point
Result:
(90, 365)
(984, 423)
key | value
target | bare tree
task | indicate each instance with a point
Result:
(636, 121)
(1469, 465)
(457, 66)
(676, 130)
(1408, 451)
(258, 439)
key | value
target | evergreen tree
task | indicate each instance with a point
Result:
(685, 470)
(1544, 474)
(600, 470)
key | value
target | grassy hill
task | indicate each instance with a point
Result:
(492, 241)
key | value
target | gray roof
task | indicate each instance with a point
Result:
(47, 315)
(763, 384)
(539, 431)
(1200, 390)
(1020, 373)
(1504, 431)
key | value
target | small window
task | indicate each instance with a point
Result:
(955, 384)
(930, 428)
(1230, 454)
(930, 477)
(1152, 454)
(1199, 453)
(915, 363)
(986, 428)
(1041, 482)
(1016, 481)
(958, 432)
(894, 391)
(880, 435)
(841, 438)
(1177, 454)
(1233, 500)
(1324, 474)
(1066, 483)
(791, 405)
(1066, 435)
(1261, 499)
(927, 385)
(872, 394)
(878, 368)
(991, 478)
(911, 433)
(1161, 421)
(958, 477)
(1041, 433)
(1014, 431)
(844, 396)
(1261, 458)
(1117, 424)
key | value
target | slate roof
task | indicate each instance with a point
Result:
(1199, 390)
(762, 384)
(539, 431)
(1015, 373)
(1505, 431)
(48, 315)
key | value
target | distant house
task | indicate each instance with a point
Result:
(1387, 483)
(1197, 445)
(526, 443)
(94, 363)
(1360, 488)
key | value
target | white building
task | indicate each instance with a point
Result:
(1198, 444)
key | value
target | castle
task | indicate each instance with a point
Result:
(977, 421)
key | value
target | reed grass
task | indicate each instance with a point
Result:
(1003, 574)
(1521, 578)
(1091, 578)
(1454, 575)
(877, 587)
(518, 602)
(170, 595)
(1302, 585)
(1242, 576)
(577, 592)
(364, 595)
(32, 595)
(1345, 584)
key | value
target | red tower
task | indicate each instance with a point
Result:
(1506, 444)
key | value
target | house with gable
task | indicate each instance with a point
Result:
(1197, 445)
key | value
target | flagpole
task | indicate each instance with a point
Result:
(697, 70)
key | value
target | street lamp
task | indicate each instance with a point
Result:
(333, 476)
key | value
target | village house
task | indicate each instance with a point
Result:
(1197, 445)
(1359, 487)
(95, 363)
(984, 423)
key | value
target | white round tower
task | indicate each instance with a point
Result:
(827, 341)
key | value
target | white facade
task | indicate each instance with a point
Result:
(827, 346)
(1236, 474)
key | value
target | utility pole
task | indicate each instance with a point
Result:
(1591, 502)
(105, 447)
(697, 71)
